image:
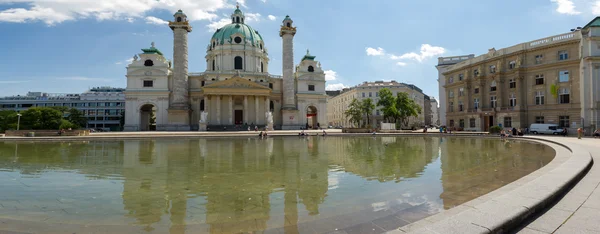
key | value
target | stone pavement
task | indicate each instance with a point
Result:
(579, 210)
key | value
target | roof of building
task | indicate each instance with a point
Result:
(152, 50)
(308, 56)
(224, 33)
(388, 84)
(594, 23)
(333, 93)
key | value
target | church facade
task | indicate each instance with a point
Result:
(235, 92)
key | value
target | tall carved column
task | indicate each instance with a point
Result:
(218, 109)
(230, 110)
(256, 110)
(181, 28)
(287, 33)
(245, 109)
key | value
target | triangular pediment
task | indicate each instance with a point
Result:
(236, 83)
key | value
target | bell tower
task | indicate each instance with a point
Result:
(179, 103)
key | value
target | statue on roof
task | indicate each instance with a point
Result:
(135, 57)
(152, 44)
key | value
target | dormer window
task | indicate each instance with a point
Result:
(311, 69)
(237, 40)
(148, 63)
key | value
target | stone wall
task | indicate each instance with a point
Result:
(45, 133)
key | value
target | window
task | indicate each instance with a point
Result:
(563, 121)
(460, 106)
(493, 86)
(201, 105)
(237, 40)
(563, 76)
(512, 83)
(461, 92)
(539, 79)
(262, 67)
(461, 77)
(363, 94)
(476, 103)
(239, 63)
(538, 59)
(493, 69)
(507, 122)
(271, 105)
(271, 85)
(461, 123)
(311, 87)
(370, 94)
(451, 123)
(311, 69)
(563, 96)
(512, 64)
(289, 25)
(512, 100)
(476, 90)
(539, 119)
(376, 94)
(563, 55)
(237, 19)
(451, 80)
(476, 72)
(377, 112)
(214, 67)
(493, 101)
(148, 83)
(148, 63)
(451, 94)
(178, 19)
(451, 106)
(472, 122)
(539, 97)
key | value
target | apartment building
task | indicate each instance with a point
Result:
(549, 80)
(435, 113)
(102, 106)
(338, 104)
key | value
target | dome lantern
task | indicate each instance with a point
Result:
(238, 16)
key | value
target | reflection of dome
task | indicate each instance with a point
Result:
(225, 34)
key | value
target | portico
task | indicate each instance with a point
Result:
(236, 101)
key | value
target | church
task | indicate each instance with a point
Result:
(236, 92)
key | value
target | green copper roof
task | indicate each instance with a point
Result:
(152, 50)
(593, 23)
(287, 17)
(224, 34)
(238, 11)
(308, 56)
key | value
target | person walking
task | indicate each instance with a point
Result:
(579, 133)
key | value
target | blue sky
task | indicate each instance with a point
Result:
(71, 45)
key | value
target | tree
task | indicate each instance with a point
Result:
(406, 108)
(8, 120)
(77, 118)
(354, 112)
(62, 109)
(387, 101)
(367, 108)
(41, 118)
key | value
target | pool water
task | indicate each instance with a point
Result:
(245, 185)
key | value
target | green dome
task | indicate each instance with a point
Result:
(224, 34)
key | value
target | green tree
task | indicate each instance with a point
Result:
(8, 120)
(406, 108)
(354, 112)
(387, 101)
(62, 109)
(367, 108)
(77, 118)
(41, 118)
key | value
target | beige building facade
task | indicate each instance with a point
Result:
(551, 80)
(337, 105)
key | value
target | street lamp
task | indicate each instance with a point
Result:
(18, 121)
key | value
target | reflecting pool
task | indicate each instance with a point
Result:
(242, 185)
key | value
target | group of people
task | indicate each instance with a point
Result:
(302, 133)
(511, 133)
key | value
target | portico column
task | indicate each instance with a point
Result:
(245, 109)
(230, 110)
(218, 109)
(256, 108)
(267, 104)
(206, 109)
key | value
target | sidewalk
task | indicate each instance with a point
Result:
(579, 210)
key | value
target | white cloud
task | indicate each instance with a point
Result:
(154, 20)
(337, 86)
(330, 75)
(402, 64)
(596, 8)
(427, 51)
(213, 26)
(375, 52)
(127, 61)
(252, 17)
(264, 1)
(53, 12)
(14, 81)
(82, 78)
(566, 7)
(272, 17)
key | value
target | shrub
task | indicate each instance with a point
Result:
(495, 129)
(65, 124)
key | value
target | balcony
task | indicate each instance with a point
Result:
(234, 73)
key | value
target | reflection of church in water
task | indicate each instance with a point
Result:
(233, 183)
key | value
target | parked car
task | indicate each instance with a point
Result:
(545, 129)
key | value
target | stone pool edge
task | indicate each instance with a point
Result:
(504, 209)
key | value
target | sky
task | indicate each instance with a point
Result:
(68, 46)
